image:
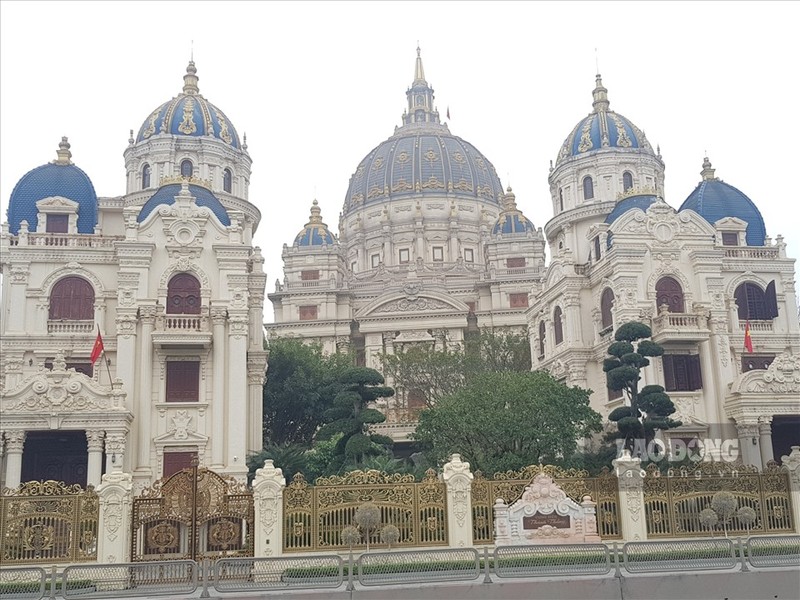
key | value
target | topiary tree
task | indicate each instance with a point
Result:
(390, 535)
(709, 519)
(746, 516)
(724, 504)
(351, 418)
(648, 409)
(350, 535)
(367, 517)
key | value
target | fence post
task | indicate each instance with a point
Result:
(115, 494)
(630, 479)
(458, 482)
(792, 464)
(268, 488)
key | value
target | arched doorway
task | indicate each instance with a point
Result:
(183, 295)
(670, 293)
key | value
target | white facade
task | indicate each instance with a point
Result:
(198, 226)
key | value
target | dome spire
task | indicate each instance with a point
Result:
(420, 98)
(600, 95)
(316, 212)
(419, 72)
(190, 79)
(707, 172)
(63, 153)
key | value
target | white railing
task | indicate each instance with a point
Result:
(680, 321)
(66, 240)
(761, 326)
(760, 253)
(71, 327)
(185, 323)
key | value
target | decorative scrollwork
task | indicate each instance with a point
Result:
(528, 473)
(48, 488)
(371, 476)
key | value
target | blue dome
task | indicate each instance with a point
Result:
(603, 129)
(642, 202)
(189, 114)
(59, 178)
(713, 200)
(315, 232)
(511, 219)
(203, 197)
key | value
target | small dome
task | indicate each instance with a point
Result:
(203, 197)
(511, 219)
(602, 129)
(642, 201)
(189, 114)
(58, 178)
(713, 199)
(315, 232)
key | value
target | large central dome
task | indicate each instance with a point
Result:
(423, 158)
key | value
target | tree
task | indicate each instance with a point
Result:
(508, 420)
(351, 417)
(724, 504)
(648, 409)
(390, 535)
(367, 517)
(301, 385)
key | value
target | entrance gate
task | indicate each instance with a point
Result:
(194, 514)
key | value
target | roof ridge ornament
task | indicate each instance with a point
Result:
(600, 95)
(707, 172)
(63, 153)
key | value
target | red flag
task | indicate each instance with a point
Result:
(98, 348)
(748, 341)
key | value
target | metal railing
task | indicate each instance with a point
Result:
(387, 568)
(774, 551)
(160, 578)
(542, 560)
(280, 573)
(679, 555)
(23, 583)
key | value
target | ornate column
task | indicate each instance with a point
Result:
(256, 371)
(630, 478)
(115, 495)
(236, 399)
(94, 468)
(147, 315)
(15, 441)
(791, 464)
(15, 320)
(458, 482)
(765, 439)
(747, 433)
(115, 450)
(268, 486)
(219, 314)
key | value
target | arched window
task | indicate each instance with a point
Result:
(558, 328)
(145, 176)
(72, 298)
(627, 181)
(669, 292)
(187, 168)
(183, 295)
(606, 304)
(561, 200)
(752, 302)
(541, 338)
(227, 181)
(588, 188)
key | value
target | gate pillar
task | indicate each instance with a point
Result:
(268, 488)
(458, 480)
(791, 463)
(631, 497)
(114, 527)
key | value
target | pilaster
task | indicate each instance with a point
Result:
(458, 482)
(116, 495)
(268, 487)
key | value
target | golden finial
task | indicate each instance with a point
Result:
(190, 79)
(63, 153)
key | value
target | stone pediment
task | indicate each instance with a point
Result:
(782, 377)
(411, 301)
(182, 425)
(662, 224)
(62, 390)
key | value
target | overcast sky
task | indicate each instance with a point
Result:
(316, 86)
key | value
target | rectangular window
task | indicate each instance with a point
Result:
(438, 253)
(682, 372)
(353, 266)
(177, 461)
(469, 255)
(518, 300)
(376, 260)
(57, 224)
(309, 275)
(515, 263)
(730, 238)
(751, 362)
(183, 380)
(308, 313)
(597, 248)
(404, 256)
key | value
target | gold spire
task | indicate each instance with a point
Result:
(63, 153)
(509, 200)
(316, 212)
(600, 95)
(419, 72)
(707, 172)
(190, 80)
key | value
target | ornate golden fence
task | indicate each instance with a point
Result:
(673, 501)
(314, 515)
(576, 483)
(48, 522)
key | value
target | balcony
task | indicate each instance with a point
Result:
(64, 240)
(752, 252)
(182, 331)
(757, 326)
(687, 327)
(63, 327)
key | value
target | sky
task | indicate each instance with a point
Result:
(316, 86)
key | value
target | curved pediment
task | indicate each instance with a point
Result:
(662, 223)
(63, 390)
(782, 377)
(412, 299)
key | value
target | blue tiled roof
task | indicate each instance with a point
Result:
(713, 200)
(643, 202)
(314, 235)
(203, 197)
(192, 115)
(64, 180)
(512, 223)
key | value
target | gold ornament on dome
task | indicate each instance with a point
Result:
(637, 190)
(432, 183)
(431, 156)
(206, 183)
(224, 134)
(377, 164)
(188, 125)
(586, 140)
(403, 157)
(623, 141)
(151, 124)
(402, 185)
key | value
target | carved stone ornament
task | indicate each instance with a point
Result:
(781, 377)
(413, 305)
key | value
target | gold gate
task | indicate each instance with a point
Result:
(673, 500)
(314, 515)
(48, 522)
(576, 483)
(194, 514)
